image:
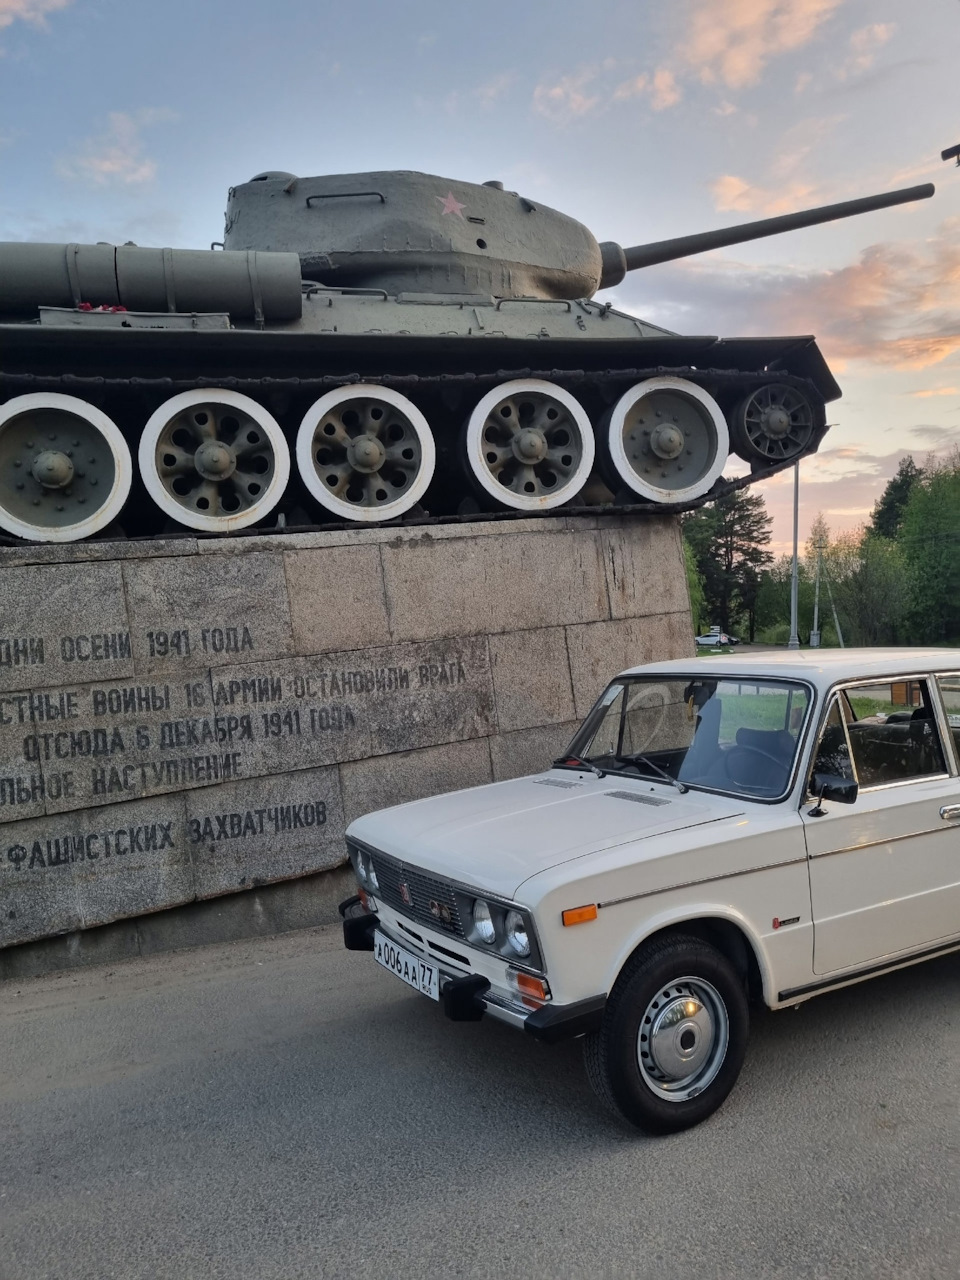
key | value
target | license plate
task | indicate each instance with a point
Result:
(409, 968)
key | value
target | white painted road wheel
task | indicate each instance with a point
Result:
(214, 460)
(365, 453)
(65, 469)
(667, 440)
(530, 445)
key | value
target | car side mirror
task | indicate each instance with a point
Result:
(831, 786)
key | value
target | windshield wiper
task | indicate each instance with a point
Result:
(639, 758)
(578, 762)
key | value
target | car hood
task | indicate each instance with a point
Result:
(496, 837)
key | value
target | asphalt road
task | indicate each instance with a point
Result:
(281, 1108)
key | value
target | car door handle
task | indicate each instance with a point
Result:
(950, 811)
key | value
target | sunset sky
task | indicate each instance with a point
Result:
(122, 119)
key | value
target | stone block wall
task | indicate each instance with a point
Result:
(188, 718)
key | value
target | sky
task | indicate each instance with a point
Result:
(128, 120)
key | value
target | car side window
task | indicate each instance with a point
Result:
(894, 735)
(833, 754)
(950, 693)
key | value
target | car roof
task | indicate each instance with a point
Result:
(820, 667)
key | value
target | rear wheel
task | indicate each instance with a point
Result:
(673, 1037)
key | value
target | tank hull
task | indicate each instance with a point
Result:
(443, 358)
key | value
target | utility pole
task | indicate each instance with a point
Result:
(794, 641)
(836, 620)
(815, 633)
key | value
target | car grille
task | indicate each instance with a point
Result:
(432, 901)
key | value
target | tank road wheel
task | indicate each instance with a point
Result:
(214, 460)
(773, 424)
(65, 469)
(530, 445)
(673, 1037)
(667, 440)
(365, 453)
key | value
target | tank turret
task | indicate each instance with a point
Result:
(374, 347)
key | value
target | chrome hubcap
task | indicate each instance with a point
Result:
(683, 1039)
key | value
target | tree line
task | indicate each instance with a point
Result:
(893, 581)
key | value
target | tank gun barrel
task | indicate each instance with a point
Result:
(617, 261)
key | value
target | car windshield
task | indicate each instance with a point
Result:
(736, 735)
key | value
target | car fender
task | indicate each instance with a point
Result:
(674, 917)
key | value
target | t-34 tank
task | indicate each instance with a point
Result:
(423, 347)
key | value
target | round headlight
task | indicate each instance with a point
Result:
(483, 921)
(361, 868)
(374, 882)
(516, 928)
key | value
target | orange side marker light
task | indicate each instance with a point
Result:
(580, 915)
(536, 988)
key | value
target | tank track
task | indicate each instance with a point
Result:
(605, 384)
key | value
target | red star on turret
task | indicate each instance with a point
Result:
(451, 205)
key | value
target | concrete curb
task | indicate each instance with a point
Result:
(270, 909)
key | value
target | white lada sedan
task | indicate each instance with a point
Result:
(726, 830)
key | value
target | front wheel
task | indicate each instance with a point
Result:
(673, 1037)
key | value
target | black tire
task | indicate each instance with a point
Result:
(612, 1054)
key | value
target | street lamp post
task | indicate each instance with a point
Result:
(794, 641)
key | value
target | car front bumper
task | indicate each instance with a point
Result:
(466, 997)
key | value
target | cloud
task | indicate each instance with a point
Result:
(732, 193)
(842, 484)
(936, 391)
(731, 43)
(936, 437)
(567, 97)
(116, 156)
(660, 88)
(664, 91)
(492, 90)
(586, 91)
(32, 11)
(788, 190)
(897, 306)
(864, 45)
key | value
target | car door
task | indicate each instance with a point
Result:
(885, 870)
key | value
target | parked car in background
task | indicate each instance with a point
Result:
(757, 828)
(715, 638)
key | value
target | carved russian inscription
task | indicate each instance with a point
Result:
(98, 744)
(61, 623)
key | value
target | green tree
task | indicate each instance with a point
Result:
(868, 575)
(698, 601)
(929, 541)
(889, 508)
(729, 538)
